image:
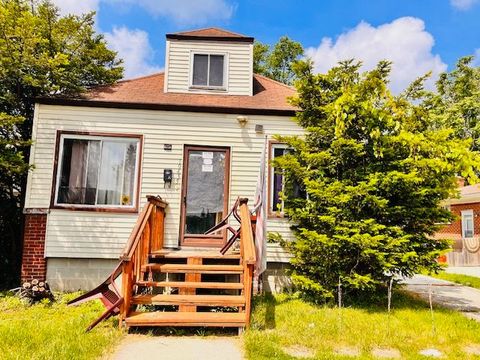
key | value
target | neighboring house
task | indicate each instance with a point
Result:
(465, 229)
(192, 135)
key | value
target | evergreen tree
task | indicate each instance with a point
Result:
(41, 54)
(374, 173)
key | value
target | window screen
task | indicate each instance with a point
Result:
(208, 70)
(467, 224)
(97, 171)
(200, 70)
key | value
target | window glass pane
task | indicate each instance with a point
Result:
(92, 172)
(74, 171)
(277, 188)
(111, 173)
(97, 172)
(200, 69)
(467, 221)
(216, 70)
(129, 174)
(205, 190)
(277, 181)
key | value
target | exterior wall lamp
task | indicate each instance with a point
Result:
(242, 120)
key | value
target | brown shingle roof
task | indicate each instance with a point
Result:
(270, 97)
(211, 33)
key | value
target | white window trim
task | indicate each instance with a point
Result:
(97, 137)
(222, 88)
(470, 213)
(271, 206)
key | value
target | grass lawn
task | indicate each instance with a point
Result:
(283, 325)
(53, 331)
(466, 280)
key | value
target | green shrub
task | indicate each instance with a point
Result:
(374, 169)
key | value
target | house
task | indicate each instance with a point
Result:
(192, 135)
(465, 229)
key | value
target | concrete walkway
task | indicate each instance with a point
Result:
(178, 348)
(447, 294)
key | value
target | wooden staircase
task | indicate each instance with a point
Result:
(162, 287)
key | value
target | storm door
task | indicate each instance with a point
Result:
(204, 194)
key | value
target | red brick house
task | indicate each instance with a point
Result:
(465, 229)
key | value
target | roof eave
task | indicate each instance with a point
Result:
(466, 199)
(245, 39)
(165, 107)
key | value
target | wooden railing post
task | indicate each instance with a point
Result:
(158, 215)
(127, 274)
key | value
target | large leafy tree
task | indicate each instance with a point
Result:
(41, 54)
(457, 101)
(374, 174)
(276, 62)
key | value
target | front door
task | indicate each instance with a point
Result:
(204, 194)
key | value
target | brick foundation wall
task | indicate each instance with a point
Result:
(34, 264)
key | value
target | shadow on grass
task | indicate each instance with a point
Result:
(378, 302)
(372, 303)
(268, 302)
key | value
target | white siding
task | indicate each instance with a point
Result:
(84, 234)
(239, 71)
(102, 235)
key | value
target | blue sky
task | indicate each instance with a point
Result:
(417, 35)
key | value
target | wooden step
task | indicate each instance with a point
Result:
(200, 300)
(184, 254)
(191, 268)
(186, 319)
(193, 285)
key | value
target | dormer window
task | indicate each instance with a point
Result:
(208, 71)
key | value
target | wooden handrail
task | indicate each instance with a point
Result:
(136, 233)
(248, 256)
(139, 227)
(246, 234)
(147, 235)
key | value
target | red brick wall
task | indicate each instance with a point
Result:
(456, 226)
(34, 264)
(460, 256)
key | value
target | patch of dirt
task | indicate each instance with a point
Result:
(347, 351)
(472, 349)
(299, 351)
(386, 353)
(434, 353)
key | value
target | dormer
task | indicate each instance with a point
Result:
(209, 61)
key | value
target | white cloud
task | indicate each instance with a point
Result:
(463, 4)
(476, 60)
(404, 41)
(76, 7)
(134, 48)
(184, 12)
